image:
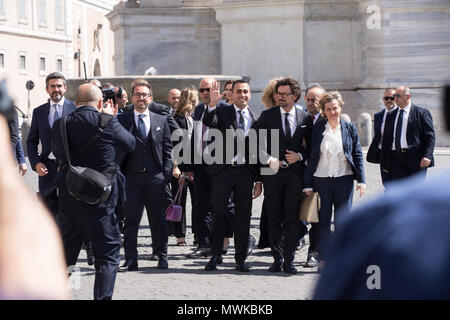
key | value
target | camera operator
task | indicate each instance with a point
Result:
(79, 220)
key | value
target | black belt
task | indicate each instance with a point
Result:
(144, 170)
(402, 150)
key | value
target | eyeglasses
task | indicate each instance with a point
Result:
(201, 90)
(388, 98)
(311, 100)
(284, 94)
(397, 95)
(143, 95)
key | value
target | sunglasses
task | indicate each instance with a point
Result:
(388, 98)
(143, 95)
(204, 90)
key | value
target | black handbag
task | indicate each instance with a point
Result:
(85, 184)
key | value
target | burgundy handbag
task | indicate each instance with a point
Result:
(174, 211)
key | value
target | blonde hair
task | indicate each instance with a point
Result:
(268, 92)
(330, 97)
(187, 96)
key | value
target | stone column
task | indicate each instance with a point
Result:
(174, 37)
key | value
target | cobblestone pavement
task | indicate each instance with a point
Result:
(186, 280)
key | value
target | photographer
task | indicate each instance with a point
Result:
(78, 220)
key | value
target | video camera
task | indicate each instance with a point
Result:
(109, 93)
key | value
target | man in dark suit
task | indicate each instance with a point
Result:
(78, 220)
(379, 119)
(44, 163)
(312, 95)
(147, 169)
(408, 139)
(234, 172)
(283, 189)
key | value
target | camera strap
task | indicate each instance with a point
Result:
(103, 121)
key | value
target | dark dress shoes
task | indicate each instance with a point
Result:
(199, 253)
(129, 265)
(90, 256)
(313, 261)
(289, 268)
(154, 257)
(163, 263)
(213, 262)
(242, 267)
(276, 266)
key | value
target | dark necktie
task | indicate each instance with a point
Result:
(398, 131)
(56, 115)
(241, 121)
(287, 127)
(141, 127)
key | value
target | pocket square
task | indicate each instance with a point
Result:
(304, 126)
(157, 129)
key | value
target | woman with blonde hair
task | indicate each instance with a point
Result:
(336, 159)
(188, 101)
(269, 97)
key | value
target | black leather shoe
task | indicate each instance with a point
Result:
(312, 262)
(251, 244)
(213, 262)
(276, 266)
(163, 263)
(129, 265)
(289, 268)
(242, 267)
(301, 243)
(199, 253)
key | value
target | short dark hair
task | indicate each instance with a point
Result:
(239, 81)
(139, 83)
(288, 81)
(229, 82)
(54, 75)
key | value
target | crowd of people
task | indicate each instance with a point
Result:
(298, 151)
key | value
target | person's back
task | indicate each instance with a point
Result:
(398, 245)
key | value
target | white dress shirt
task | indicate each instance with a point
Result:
(403, 141)
(332, 161)
(146, 120)
(291, 119)
(59, 107)
(247, 118)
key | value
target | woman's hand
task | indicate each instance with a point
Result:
(362, 189)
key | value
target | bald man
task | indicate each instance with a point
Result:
(173, 97)
(94, 135)
(408, 138)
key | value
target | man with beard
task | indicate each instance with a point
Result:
(44, 163)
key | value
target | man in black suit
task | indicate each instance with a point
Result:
(147, 169)
(283, 189)
(95, 222)
(234, 172)
(379, 120)
(408, 139)
(312, 95)
(44, 163)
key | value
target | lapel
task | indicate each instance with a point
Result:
(344, 132)
(66, 107)
(198, 112)
(46, 114)
(278, 124)
(232, 115)
(412, 118)
(298, 118)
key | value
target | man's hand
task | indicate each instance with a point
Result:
(41, 169)
(308, 193)
(176, 173)
(274, 164)
(257, 190)
(425, 162)
(109, 108)
(292, 157)
(215, 95)
(361, 188)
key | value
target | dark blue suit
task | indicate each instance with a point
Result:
(40, 132)
(333, 191)
(78, 220)
(148, 170)
(374, 153)
(283, 190)
(405, 234)
(420, 138)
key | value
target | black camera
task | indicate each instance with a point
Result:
(109, 93)
(6, 104)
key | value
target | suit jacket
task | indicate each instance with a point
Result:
(271, 119)
(352, 150)
(40, 131)
(373, 154)
(419, 135)
(159, 139)
(223, 118)
(160, 109)
(81, 126)
(13, 123)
